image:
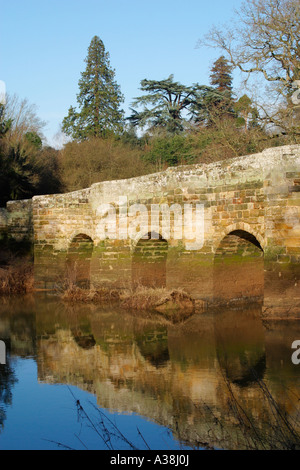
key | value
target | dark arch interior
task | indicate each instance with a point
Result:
(239, 268)
(149, 261)
(79, 260)
(246, 236)
(84, 341)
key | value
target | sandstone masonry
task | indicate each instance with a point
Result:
(254, 198)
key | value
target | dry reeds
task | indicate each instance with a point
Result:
(174, 305)
(144, 298)
(16, 278)
(73, 293)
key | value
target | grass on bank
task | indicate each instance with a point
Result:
(175, 305)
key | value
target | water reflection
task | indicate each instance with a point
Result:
(240, 344)
(153, 345)
(17, 330)
(183, 376)
(7, 382)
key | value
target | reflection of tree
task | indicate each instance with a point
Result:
(23, 334)
(7, 381)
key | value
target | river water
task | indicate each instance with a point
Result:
(98, 377)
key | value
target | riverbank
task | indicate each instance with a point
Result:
(17, 278)
(175, 305)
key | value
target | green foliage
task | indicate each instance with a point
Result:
(26, 168)
(169, 151)
(16, 176)
(247, 114)
(5, 124)
(34, 139)
(219, 104)
(129, 137)
(265, 47)
(214, 107)
(168, 106)
(99, 98)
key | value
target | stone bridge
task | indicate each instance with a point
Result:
(251, 230)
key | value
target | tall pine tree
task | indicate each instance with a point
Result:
(216, 107)
(220, 75)
(99, 98)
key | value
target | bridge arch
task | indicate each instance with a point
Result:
(149, 261)
(238, 268)
(78, 260)
(240, 226)
(80, 232)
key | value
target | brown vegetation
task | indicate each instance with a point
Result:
(173, 305)
(99, 159)
(72, 293)
(225, 141)
(16, 277)
(82, 164)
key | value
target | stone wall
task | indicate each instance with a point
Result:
(3, 220)
(257, 195)
(16, 221)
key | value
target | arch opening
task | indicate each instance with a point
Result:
(149, 262)
(239, 268)
(78, 264)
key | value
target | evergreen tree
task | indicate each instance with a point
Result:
(5, 124)
(220, 76)
(216, 106)
(26, 168)
(170, 105)
(169, 150)
(99, 98)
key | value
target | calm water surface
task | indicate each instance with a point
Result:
(223, 379)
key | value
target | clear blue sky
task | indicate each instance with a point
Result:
(43, 44)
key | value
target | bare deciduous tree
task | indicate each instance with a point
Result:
(23, 117)
(264, 40)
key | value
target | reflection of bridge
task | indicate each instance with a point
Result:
(251, 212)
(171, 374)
